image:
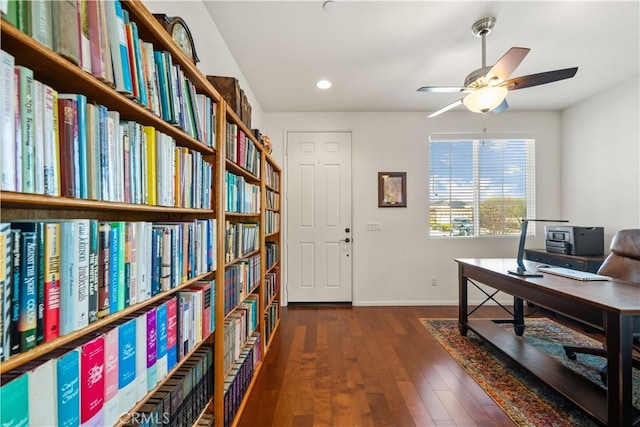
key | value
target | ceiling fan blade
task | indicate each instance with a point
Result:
(540, 78)
(448, 107)
(442, 89)
(503, 106)
(509, 62)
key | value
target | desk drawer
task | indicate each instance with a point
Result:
(557, 261)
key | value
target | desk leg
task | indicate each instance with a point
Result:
(619, 378)
(518, 316)
(462, 302)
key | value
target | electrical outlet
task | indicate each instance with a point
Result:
(374, 226)
(434, 280)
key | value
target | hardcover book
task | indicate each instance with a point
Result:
(161, 333)
(92, 382)
(6, 284)
(127, 365)
(7, 115)
(111, 400)
(28, 285)
(104, 276)
(141, 356)
(52, 238)
(26, 90)
(68, 384)
(172, 333)
(66, 37)
(152, 377)
(14, 395)
(43, 394)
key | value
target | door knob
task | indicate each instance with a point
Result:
(346, 240)
(346, 230)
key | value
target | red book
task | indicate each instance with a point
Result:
(68, 129)
(52, 237)
(92, 377)
(98, 68)
(132, 61)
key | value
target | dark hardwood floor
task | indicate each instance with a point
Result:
(366, 366)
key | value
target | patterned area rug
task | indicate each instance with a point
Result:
(525, 399)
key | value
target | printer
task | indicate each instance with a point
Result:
(574, 240)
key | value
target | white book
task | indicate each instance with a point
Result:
(111, 402)
(38, 136)
(74, 276)
(42, 394)
(143, 252)
(7, 113)
(113, 130)
(51, 147)
(141, 357)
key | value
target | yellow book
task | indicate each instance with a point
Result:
(151, 165)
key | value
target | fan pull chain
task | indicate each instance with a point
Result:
(484, 123)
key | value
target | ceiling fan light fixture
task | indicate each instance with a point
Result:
(485, 99)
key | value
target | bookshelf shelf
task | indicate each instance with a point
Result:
(63, 76)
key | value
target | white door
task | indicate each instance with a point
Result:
(319, 231)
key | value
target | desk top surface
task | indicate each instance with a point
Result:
(614, 295)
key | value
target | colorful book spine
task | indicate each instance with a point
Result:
(114, 266)
(51, 171)
(15, 294)
(14, 395)
(92, 383)
(82, 175)
(81, 295)
(118, 264)
(68, 143)
(122, 48)
(28, 286)
(152, 342)
(111, 400)
(38, 137)
(68, 386)
(161, 333)
(172, 333)
(27, 128)
(104, 277)
(92, 286)
(127, 365)
(40, 284)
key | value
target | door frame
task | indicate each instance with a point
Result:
(284, 283)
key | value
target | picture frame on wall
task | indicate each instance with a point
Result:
(392, 189)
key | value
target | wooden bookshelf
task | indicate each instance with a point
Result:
(65, 77)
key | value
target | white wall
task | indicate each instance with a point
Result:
(395, 266)
(600, 169)
(215, 57)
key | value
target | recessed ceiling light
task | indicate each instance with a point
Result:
(323, 84)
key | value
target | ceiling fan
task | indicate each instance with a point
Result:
(487, 87)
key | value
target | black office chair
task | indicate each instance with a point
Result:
(622, 263)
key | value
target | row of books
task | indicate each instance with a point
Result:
(182, 398)
(272, 200)
(98, 36)
(241, 149)
(271, 316)
(272, 254)
(242, 196)
(239, 378)
(272, 176)
(58, 276)
(242, 238)
(63, 145)
(238, 327)
(95, 380)
(271, 222)
(271, 284)
(240, 280)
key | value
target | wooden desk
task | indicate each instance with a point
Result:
(614, 303)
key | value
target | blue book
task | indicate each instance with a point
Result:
(142, 86)
(165, 111)
(118, 264)
(156, 261)
(14, 398)
(68, 383)
(114, 265)
(127, 365)
(161, 333)
(124, 48)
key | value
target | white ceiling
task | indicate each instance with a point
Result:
(377, 53)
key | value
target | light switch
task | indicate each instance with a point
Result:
(374, 226)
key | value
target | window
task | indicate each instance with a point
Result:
(480, 187)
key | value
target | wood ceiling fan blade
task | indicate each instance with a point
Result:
(509, 62)
(539, 78)
(447, 107)
(442, 89)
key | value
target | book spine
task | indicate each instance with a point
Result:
(123, 48)
(114, 266)
(111, 401)
(82, 173)
(98, 68)
(104, 276)
(126, 365)
(5, 288)
(50, 164)
(161, 333)
(52, 281)
(92, 382)
(66, 37)
(40, 284)
(152, 378)
(141, 356)
(28, 291)
(81, 295)
(7, 115)
(67, 123)
(17, 128)
(15, 294)
(14, 396)
(26, 123)
(42, 394)
(38, 137)
(93, 272)
(113, 36)
(68, 384)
